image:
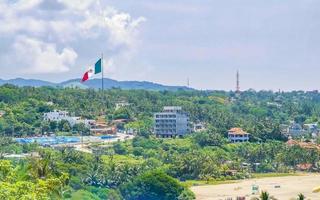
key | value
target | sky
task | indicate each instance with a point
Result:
(274, 44)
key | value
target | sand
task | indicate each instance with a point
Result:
(290, 187)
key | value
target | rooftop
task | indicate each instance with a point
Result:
(305, 145)
(304, 166)
(172, 108)
(238, 131)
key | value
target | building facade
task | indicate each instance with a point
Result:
(236, 135)
(55, 115)
(58, 116)
(296, 130)
(171, 122)
(199, 127)
(2, 112)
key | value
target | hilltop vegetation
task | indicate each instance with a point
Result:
(94, 84)
(259, 113)
(147, 167)
(144, 168)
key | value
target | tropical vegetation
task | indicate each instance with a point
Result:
(147, 167)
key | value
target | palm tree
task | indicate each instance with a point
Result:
(301, 197)
(265, 196)
(40, 167)
(95, 175)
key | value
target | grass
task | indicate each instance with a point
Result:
(270, 175)
(191, 183)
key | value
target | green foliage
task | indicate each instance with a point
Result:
(122, 113)
(6, 171)
(256, 112)
(147, 167)
(12, 188)
(186, 195)
(264, 195)
(24, 108)
(120, 148)
(81, 128)
(209, 139)
(301, 197)
(84, 195)
(142, 126)
(154, 185)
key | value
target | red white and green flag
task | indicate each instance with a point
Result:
(92, 71)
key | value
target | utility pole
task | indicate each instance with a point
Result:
(102, 86)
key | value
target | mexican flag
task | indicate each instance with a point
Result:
(92, 71)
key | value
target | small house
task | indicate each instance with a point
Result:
(236, 135)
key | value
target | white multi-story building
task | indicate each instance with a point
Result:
(55, 115)
(171, 122)
(238, 135)
(58, 116)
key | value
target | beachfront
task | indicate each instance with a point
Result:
(290, 187)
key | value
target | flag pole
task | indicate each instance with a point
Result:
(102, 72)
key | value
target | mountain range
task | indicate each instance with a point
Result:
(94, 84)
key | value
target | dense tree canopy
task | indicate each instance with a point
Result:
(147, 167)
(259, 113)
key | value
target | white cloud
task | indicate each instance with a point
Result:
(109, 65)
(175, 7)
(16, 18)
(24, 5)
(77, 4)
(122, 28)
(43, 58)
(38, 34)
(62, 31)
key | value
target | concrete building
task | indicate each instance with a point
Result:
(199, 127)
(171, 122)
(55, 115)
(296, 130)
(100, 127)
(311, 128)
(103, 129)
(238, 135)
(2, 112)
(58, 116)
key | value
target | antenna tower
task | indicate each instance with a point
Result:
(238, 82)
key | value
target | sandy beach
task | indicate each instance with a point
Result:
(290, 187)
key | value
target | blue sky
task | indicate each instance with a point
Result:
(274, 44)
